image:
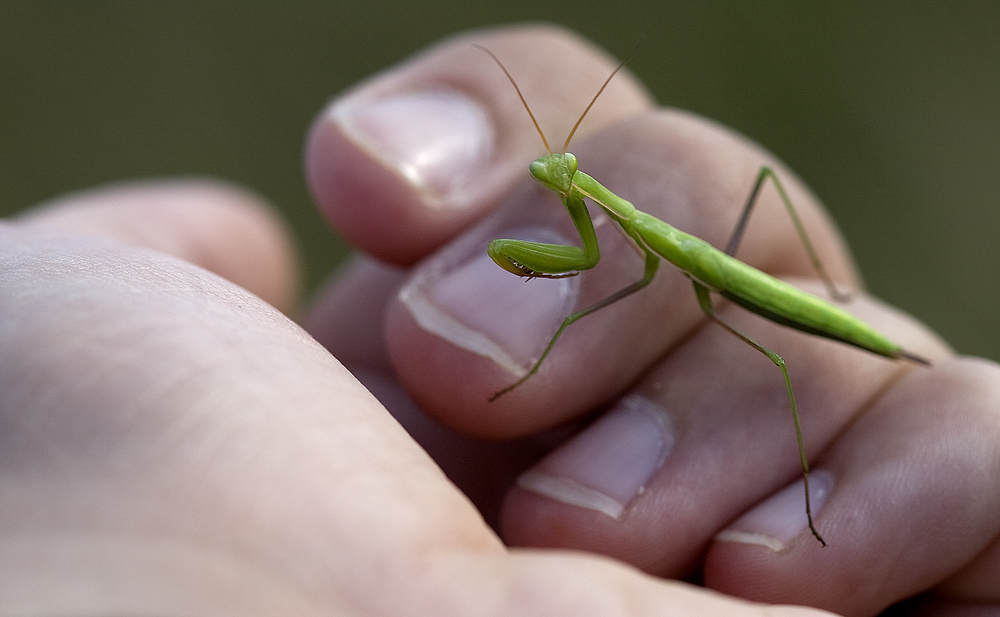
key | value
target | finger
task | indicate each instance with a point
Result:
(913, 499)
(218, 226)
(463, 319)
(403, 162)
(704, 436)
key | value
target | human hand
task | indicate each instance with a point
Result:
(170, 443)
(694, 437)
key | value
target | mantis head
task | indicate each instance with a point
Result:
(555, 172)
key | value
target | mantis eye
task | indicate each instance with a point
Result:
(571, 164)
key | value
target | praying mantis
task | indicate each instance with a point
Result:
(710, 270)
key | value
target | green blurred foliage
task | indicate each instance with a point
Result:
(891, 112)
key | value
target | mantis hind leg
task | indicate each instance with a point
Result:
(652, 263)
(705, 300)
(741, 224)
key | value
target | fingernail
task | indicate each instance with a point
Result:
(439, 140)
(609, 464)
(482, 308)
(782, 518)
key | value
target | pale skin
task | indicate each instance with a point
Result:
(167, 431)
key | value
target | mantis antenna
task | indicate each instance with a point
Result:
(528, 109)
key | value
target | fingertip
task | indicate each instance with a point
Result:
(399, 175)
(913, 478)
(453, 371)
(405, 161)
(447, 382)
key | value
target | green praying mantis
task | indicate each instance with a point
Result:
(711, 270)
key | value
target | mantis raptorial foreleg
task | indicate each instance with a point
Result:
(710, 269)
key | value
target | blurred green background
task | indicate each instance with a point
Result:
(890, 112)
